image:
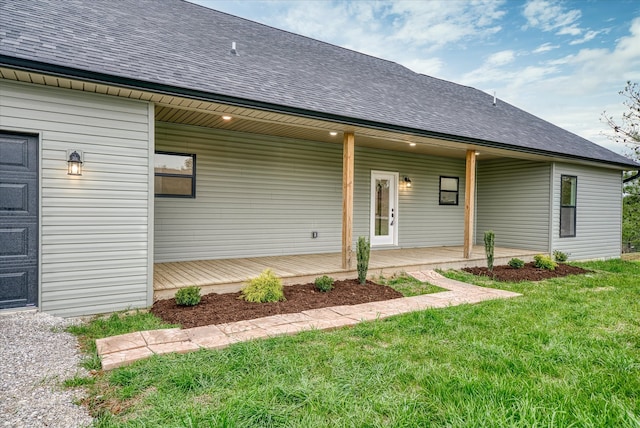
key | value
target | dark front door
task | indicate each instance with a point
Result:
(18, 220)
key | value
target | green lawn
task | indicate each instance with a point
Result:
(567, 353)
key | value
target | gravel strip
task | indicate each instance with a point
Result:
(36, 356)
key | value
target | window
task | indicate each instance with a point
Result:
(449, 190)
(568, 193)
(175, 175)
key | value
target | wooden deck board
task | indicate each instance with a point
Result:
(227, 273)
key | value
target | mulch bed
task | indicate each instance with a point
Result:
(224, 308)
(527, 273)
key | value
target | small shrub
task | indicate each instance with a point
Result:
(324, 283)
(544, 262)
(267, 287)
(516, 263)
(188, 296)
(362, 254)
(489, 244)
(560, 256)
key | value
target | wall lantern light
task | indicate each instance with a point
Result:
(74, 162)
(407, 181)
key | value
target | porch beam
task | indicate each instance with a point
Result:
(347, 199)
(469, 202)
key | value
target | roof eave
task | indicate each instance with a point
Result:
(129, 83)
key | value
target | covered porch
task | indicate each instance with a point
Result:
(229, 275)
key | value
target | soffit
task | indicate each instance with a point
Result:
(175, 109)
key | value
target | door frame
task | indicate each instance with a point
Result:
(392, 238)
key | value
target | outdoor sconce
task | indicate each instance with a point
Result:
(407, 181)
(74, 163)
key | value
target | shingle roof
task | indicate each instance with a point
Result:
(179, 44)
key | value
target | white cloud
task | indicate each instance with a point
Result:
(589, 35)
(548, 16)
(501, 58)
(546, 47)
(437, 23)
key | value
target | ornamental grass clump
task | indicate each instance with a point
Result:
(516, 263)
(489, 244)
(188, 296)
(362, 254)
(544, 262)
(324, 283)
(265, 288)
(560, 256)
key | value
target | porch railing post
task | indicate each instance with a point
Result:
(469, 203)
(347, 199)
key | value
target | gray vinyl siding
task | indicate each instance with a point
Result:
(258, 195)
(94, 228)
(598, 213)
(255, 196)
(512, 199)
(422, 222)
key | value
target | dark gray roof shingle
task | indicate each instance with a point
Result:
(179, 44)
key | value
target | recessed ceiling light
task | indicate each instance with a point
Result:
(412, 144)
(226, 117)
(333, 133)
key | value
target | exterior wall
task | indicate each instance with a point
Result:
(258, 195)
(255, 195)
(422, 222)
(94, 232)
(512, 199)
(598, 213)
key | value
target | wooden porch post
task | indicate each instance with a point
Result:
(347, 199)
(469, 202)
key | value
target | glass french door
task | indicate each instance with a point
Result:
(384, 211)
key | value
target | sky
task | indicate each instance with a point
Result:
(564, 61)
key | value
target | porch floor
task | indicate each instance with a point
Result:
(229, 275)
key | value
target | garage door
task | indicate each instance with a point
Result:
(18, 220)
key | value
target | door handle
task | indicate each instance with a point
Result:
(393, 218)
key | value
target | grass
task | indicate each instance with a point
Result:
(116, 323)
(408, 285)
(566, 353)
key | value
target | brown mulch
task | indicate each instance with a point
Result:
(528, 273)
(224, 308)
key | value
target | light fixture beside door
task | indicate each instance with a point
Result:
(74, 162)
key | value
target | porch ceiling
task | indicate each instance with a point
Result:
(208, 114)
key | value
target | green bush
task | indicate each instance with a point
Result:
(188, 296)
(265, 288)
(544, 262)
(489, 244)
(559, 256)
(363, 251)
(324, 283)
(516, 263)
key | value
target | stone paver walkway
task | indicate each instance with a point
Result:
(120, 350)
